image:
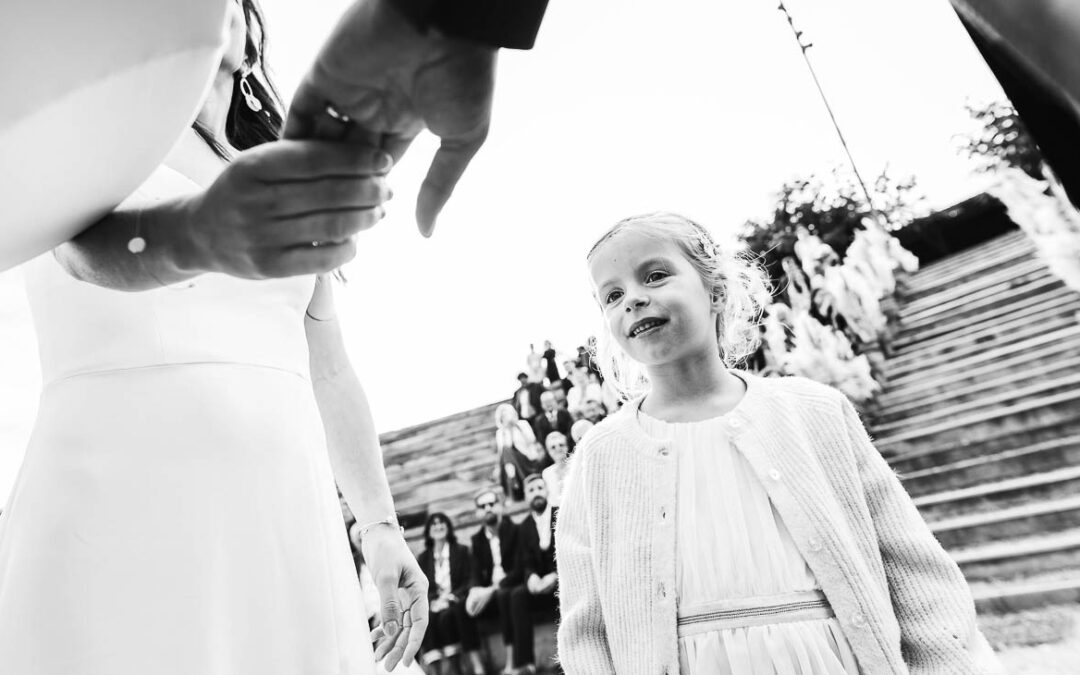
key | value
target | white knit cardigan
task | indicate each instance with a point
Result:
(901, 601)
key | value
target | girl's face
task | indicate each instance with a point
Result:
(438, 530)
(654, 302)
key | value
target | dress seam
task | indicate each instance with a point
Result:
(159, 366)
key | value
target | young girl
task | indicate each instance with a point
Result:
(725, 523)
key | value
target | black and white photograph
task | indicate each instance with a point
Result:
(479, 337)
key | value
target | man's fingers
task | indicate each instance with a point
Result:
(309, 259)
(447, 166)
(325, 226)
(299, 160)
(300, 198)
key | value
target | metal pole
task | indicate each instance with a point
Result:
(803, 48)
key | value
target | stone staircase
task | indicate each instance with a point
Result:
(981, 419)
(438, 466)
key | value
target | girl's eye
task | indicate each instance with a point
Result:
(613, 296)
(656, 275)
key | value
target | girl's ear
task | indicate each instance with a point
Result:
(718, 300)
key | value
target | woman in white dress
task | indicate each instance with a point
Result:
(175, 512)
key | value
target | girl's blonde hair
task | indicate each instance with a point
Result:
(727, 274)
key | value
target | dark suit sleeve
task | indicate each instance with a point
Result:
(527, 550)
(427, 566)
(476, 567)
(461, 571)
(496, 23)
(512, 567)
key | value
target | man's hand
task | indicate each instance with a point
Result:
(534, 584)
(548, 583)
(284, 209)
(478, 599)
(403, 590)
(390, 81)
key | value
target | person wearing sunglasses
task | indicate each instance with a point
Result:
(495, 570)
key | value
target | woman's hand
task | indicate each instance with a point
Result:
(286, 208)
(403, 591)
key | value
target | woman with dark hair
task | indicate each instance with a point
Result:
(447, 565)
(176, 511)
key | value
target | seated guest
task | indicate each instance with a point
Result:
(536, 557)
(495, 573)
(526, 399)
(519, 453)
(584, 390)
(557, 449)
(448, 567)
(593, 410)
(577, 432)
(552, 418)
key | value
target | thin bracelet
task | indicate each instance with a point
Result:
(137, 244)
(392, 521)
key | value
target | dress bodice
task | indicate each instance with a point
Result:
(215, 318)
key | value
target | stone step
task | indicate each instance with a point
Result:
(944, 381)
(977, 259)
(1055, 515)
(1000, 494)
(902, 408)
(449, 420)
(1016, 596)
(1018, 268)
(976, 332)
(1028, 287)
(1051, 455)
(1022, 390)
(933, 453)
(1026, 342)
(403, 453)
(928, 358)
(1055, 408)
(1017, 558)
(919, 289)
(946, 329)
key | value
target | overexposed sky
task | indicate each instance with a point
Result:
(624, 106)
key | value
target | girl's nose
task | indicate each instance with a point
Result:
(637, 301)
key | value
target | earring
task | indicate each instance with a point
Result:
(249, 96)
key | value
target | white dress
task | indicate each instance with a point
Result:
(175, 513)
(734, 556)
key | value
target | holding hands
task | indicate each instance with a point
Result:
(391, 80)
(403, 591)
(286, 208)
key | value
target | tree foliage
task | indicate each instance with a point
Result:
(831, 207)
(1001, 139)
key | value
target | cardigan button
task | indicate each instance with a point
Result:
(661, 590)
(663, 451)
(815, 544)
(735, 423)
(774, 474)
(858, 620)
(663, 512)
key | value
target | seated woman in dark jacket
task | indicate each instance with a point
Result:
(447, 565)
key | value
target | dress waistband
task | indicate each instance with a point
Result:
(704, 617)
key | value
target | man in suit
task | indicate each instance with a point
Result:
(536, 557)
(526, 399)
(551, 418)
(495, 569)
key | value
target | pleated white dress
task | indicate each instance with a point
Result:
(733, 551)
(175, 513)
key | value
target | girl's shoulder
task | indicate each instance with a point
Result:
(802, 392)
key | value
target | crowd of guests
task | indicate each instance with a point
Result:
(505, 575)
(547, 415)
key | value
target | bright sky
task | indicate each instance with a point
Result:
(624, 106)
